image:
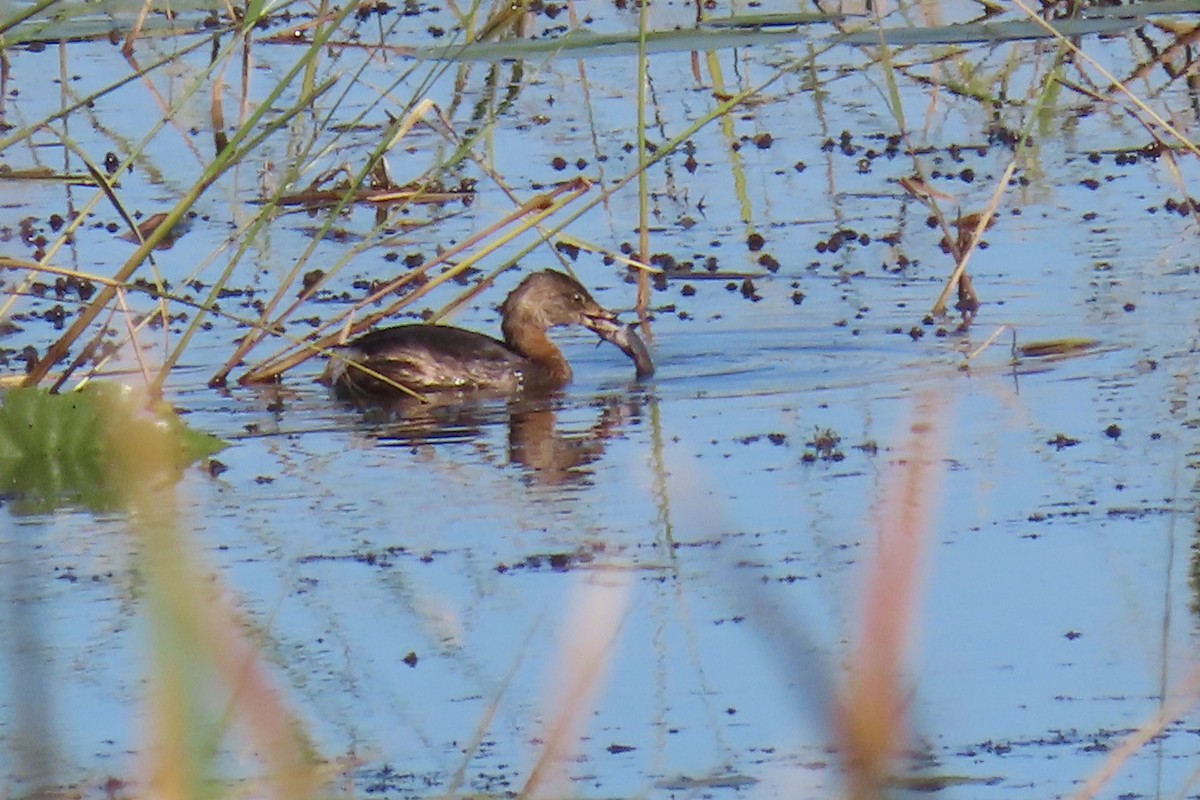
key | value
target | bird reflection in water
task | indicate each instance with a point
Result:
(549, 454)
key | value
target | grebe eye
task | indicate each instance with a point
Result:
(577, 298)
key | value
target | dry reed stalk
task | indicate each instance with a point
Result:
(589, 634)
(643, 285)
(243, 142)
(939, 307)
(286, 284)
(1113, 81)
(615, 255)
(528, 216)
(471, 749)
(447, 131)
(871, 715)
(1186, 699)
(143, 12)
(987, 343)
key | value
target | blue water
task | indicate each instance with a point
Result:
(1055, 610)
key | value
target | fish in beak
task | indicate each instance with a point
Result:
(605, 325)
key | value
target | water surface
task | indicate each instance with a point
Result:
(402, 577)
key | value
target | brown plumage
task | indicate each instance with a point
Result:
(439, 358)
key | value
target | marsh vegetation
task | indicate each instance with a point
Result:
(908, 504)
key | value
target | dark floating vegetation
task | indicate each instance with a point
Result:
(209, 199)
(1056, 348)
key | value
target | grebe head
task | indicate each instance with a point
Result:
(547, 299)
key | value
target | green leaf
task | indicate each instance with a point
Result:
(73, 449)
(772, 30)
(585, 44)
(988, 32)
(56, 21)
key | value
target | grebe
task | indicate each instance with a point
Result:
(440, 358)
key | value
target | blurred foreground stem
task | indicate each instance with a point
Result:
(204, 673)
